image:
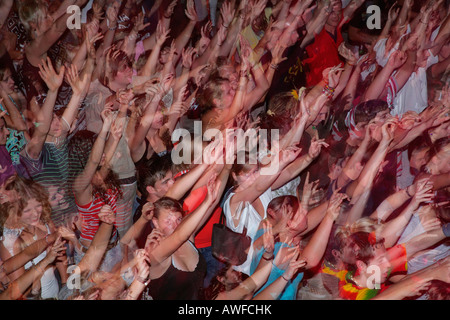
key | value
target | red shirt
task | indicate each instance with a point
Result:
(195, 198)
(322, 53)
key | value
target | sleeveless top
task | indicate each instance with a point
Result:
(175, 284)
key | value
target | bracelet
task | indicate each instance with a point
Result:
(268, 259)
(226, 27)
(407, 193)
(167, 17)
(112, 29)
(287, 280)
(243, 74)
(328, 91)
(274, 66)
(132, 36)
(142, 280)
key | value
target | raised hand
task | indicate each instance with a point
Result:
(142, 265)
(190, 11)
(227, 13)
(308, 190)
(107, 215)
(52, 79)
(187, 57)
(387, 131)
(295, 264)
(78, 85)
(268, 238)
(56, 250)
(393, 12)
(139, 24)
(153, 240)
(423, 192)
(316, 147)
(213, 187)
(170, 8)
(161, 34)
(334, 204)
(289, 154)
(107, 115)
(397, 59)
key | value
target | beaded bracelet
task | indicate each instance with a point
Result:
(328, 91)
(274, 66)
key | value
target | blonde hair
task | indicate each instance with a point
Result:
(30, 11)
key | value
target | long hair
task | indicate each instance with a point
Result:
(26, 190)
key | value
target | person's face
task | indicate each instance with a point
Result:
(229, 73)
(299, 223)
(439, 164)
(55, 126)
(158, 119)
(322, 116)
(124, 74)
(167, 221)
(381, 263)
(228, 94)
(246, 178)
(349, 252)
(164, 55)
(46, 20)
(335, 16)
(7, 84)
(32, 212)
(419, 158)
(232, 277)
(163, 185)
(56, 197)
(4, 132)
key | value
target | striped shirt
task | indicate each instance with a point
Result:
(89, 214)
(51, 170)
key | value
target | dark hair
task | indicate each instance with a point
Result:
(367, 110)
(276, 203)
(216, 286)
(152, 171)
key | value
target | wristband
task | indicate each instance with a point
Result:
(407, 193)
(268, 259)
(274, 66)
(287, 280)
(142, 280)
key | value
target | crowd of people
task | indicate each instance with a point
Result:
(102, 198)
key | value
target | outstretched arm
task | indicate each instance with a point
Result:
(45, 114)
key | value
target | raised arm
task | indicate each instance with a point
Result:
(45, 114)
(185, 229)
(38, 47)
(82, 185)
(137, 144)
